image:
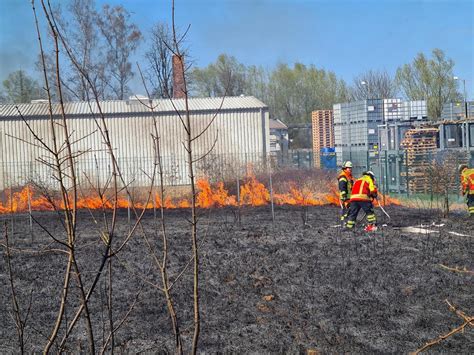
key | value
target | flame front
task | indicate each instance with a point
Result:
(252, 193)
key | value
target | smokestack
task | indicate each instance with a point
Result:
(178, 77)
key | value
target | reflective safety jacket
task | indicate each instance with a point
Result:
(345, 182)
(364, 189)
(467, 181)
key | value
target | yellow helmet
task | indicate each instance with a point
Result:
(462, 167)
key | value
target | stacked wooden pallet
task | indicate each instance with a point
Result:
(323, 132)
(420, 145)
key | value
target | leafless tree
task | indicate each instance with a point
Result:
(192, 158)
(60, 157)
(46, 61)
(159, 60)
(373, 85)
(122, 39)
(79, 27)
(61, 160)
(443, 176)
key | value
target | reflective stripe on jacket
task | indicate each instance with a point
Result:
(345, 182)
(364, 189)
(467, 181)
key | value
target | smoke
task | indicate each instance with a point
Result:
(256, 32)
(18, 46)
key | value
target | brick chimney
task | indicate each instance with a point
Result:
(178, 77)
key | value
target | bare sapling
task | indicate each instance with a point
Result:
(162, 264)
(61, 160)
(192, 158)
(19, 319)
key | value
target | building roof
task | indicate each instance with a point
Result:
(277, 124)
(41, 108)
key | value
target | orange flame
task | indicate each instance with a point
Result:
(252, 193)
(213, 198)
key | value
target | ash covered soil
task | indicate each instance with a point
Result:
(279, 287)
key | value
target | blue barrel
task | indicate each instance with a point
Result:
(328, 158)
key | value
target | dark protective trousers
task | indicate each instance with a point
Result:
(354, 209)
(344, 210)
(470, 204)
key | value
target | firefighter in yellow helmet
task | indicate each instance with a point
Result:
(467, 186)
(345, 182)
(363, 192)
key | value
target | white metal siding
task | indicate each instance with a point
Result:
(241, 133)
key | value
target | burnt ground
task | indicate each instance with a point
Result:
(266, 287)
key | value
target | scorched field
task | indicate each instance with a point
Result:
(266, 286)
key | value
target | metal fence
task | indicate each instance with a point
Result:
(434, 173)
(397, 171)
(425, 172)
(133, 171)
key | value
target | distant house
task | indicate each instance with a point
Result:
(278, 136)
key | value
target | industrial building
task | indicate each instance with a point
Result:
(323, 136)
(235, 130)
(278, 137)
(356, 127)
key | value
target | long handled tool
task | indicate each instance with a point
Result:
(383, 210)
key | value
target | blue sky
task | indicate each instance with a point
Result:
(348, 37)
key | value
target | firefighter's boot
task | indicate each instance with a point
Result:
(371, 228)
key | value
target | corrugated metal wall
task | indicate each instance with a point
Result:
(242, 136)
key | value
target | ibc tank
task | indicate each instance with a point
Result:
(328, 158)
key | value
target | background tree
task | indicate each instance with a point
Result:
(21, 88)
(257, 80)
(122, 39)
(50, 67)
(81, 32)
(225, 77)
(160, 72)
(295, 92)
(291, 93)
(3, 97)
(430, 79)
(373, 85)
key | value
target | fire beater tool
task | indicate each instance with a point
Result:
(383, 210)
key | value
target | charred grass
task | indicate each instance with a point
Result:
(266, 287)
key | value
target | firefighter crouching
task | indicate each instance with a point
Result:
(345, 182)
(363, 192)
(467, 186)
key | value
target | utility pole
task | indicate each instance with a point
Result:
(464, 94)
